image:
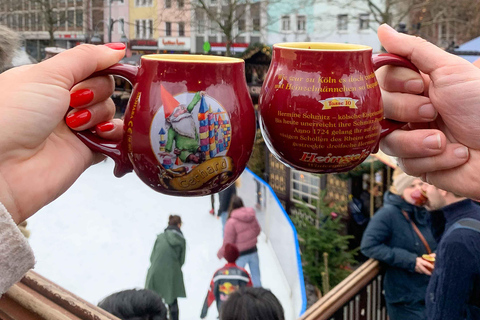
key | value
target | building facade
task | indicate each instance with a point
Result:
(43, 23)
(116, 20)
(175, 25)
(144, 26)
(321, 21)
(246, 20)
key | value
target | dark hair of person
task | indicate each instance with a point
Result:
(174, 220)
(252, 304)
(135, 305)
(235, 203)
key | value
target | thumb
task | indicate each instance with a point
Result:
(74, 65)
(426, 56)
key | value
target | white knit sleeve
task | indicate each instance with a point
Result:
(16, 255)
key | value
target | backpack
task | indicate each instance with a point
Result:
(465, 223)
(355, 208)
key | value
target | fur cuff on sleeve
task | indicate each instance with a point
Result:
(16, 255)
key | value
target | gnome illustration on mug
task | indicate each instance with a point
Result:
(190, 135)
(181, 127)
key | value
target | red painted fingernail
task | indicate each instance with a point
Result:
(116, 45)
(105, 126)
(77, 119)
(81, 97)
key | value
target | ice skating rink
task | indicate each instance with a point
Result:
(96, 239)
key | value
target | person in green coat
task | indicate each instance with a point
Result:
(165, 275)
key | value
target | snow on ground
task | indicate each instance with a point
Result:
(96, 239)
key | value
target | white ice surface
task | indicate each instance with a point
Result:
(96, 239)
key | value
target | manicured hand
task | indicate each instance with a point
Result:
(40, 157)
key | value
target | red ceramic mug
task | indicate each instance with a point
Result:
(320, 106)
(419, 196)
(182, 133)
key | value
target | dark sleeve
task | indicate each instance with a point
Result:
(374, 243)
(221, 202)
(450, 288)
(208, 300)
(182, 253)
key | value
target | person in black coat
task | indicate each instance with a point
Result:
(225, 197)
(391, 239)
(454, 290)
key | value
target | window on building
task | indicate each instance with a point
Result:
(168, 28)
(256, 24)
(305, 188)
(168, 3)
(241, 25)
(255, 15)
(301, 23)
(14, 23)
(79, 18)
(342, 22)
(181, 29)
(285, 23)
(143, 29)
(120, 26)
(61, 19)
(150, 28)
(137, 29)
(142, 3)
(180, 3)
(70, 18)
(200, 23)
(31, 20)
(446, 32)
(20, 21)
(40, 20)
(363, 21)
(27, 21)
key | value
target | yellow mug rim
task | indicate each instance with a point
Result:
(191, 58)
(322, 46)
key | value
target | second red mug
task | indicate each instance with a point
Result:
(320, 106)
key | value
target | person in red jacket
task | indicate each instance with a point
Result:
(242, 230)
(226, 280)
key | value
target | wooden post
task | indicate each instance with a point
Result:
(325, 276)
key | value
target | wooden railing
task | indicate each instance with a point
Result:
(37, 298)
(358, 297)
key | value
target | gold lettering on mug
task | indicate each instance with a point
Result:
(129, 130)
(330, 158)
(314, 130)
(318, 84)
(338, 102)
(201, 174)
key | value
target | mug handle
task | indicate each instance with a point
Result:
(383, 59)
(113, 149)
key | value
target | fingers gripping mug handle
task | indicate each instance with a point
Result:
(113, 149)
(383, 59)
